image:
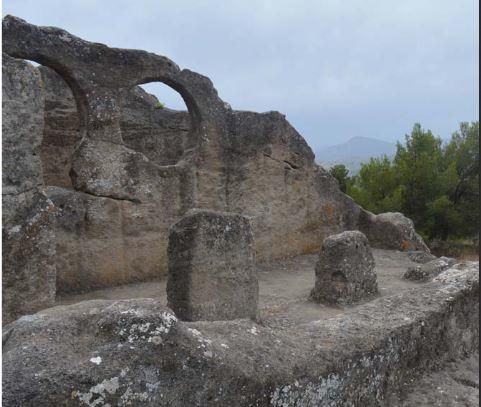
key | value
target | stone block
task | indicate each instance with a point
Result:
(212, 272)
(345, 269)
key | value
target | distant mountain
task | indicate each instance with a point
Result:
(353, 152)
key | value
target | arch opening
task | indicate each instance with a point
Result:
(63, 128)
(156, 121)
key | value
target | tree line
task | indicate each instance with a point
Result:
(435, 184)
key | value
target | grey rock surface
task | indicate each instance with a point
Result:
(136, 352)
(429, 270)
(345, 269)
(391, 230)
(61, 133)
(212, 273)
(28, 222)
(419, 256)
(28, 261)
(22, 126)
(454, 384)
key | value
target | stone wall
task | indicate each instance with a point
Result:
(28, 229)
(102, 241)
(136, 352)
(122, 171)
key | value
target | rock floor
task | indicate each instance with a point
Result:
(284, 288)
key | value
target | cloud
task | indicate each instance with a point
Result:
(337, 69)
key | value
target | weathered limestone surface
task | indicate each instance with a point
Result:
(391, 230)
(144, 167)
(345, 269)
(28, 229)
(135, 352)
(99, 241)
(212, 273)
(429, 270)
(271, 176)
(22, 126)
(454, 384)
(419, 256)
(61, 129)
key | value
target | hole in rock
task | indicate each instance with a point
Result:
(155, 122)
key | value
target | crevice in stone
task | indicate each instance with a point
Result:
(466, 382)
(133, 200)
(291, 166)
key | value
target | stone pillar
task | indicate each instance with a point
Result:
(212, 273)
(345, 269)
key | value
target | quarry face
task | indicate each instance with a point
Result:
(221, 214)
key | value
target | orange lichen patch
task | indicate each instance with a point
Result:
(329, 211)
(406, 245)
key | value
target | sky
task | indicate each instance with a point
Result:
(336, 69)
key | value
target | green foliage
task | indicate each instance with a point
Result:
(436, 185)
(340, 173)
(159, 105)
(376, 185)
(418, 165)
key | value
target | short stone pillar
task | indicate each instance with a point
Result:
(345, 269)
(212, 273)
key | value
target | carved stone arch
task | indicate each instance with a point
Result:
(78, 91)
(207, 111)
(97, 75)
(187, 97)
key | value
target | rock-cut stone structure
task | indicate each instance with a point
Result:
(212, 273)
(345, 269)
(102, 186)
(116, 171)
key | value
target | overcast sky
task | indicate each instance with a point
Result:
(337, 69)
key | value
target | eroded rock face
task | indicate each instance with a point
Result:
(61, 131)
(22, 126)
(28, 223)
(154, 164)
(120, 237)
(391, 230)
(345, 269)
(212, 273)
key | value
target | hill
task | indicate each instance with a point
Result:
(353, 152)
